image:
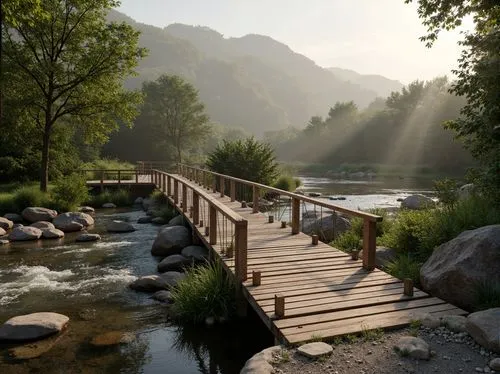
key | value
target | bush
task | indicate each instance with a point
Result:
(70, 192)
(29, 196)
(207, 291)
(286, 183)
(120, 197)
(405, 266)
(348, 241)
(159, 197)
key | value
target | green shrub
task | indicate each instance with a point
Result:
(7, 204)
(207, 291)
(70, 192)
(446, 191)
(167, 213)
(487, 295)
(286, 183)
(348, 241)
(158, 197)
(298, 182)
(404, 266)
(120, 197)
(29, 196)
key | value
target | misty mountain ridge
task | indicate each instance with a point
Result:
(252, 81)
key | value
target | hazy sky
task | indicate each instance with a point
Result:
(369, 36)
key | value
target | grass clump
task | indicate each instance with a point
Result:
(287, 183)
(70, 192)
(348, 241)
(487, 295)
(29, 196)
(207, 291)
(404, 266)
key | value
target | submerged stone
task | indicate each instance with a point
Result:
(33, 326)
(112, 338)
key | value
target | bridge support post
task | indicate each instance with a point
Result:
(222, 186)
(295, 216)
(255, 205)
(164, 183)
(196, 208)
(212, 225)
(102, 181)
(169, 185)
(184, 199)
(136, 176)
(232, 191)
(369, 243)
(119, 177)
(214, 185)
(176, 191)
(241, 247)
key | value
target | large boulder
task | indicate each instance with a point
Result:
(176, 221)
(14, 217)
(42, 225)
(456, 268)
(327, 228)
(5, 223)
(195, 252)
(119, 226)
(66, 221)
(173, 263)
(52, 234)
(32, 326)
(25, 233)
(153, 283)
(171, 241)
(418, 201)
(484, 327)
(35, 214)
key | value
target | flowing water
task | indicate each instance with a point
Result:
(88, 282)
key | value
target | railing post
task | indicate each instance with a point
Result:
(214, 184)
(119, 177)
(169, 187)
(255, 206)
(369, 243)
(222, 185)
(164, 183)
(184, 198)
(196, 208)
(240, 246)
(176, 192)
(102, 180)
(136, 176)
(232, 190)
(213, 225)
(295, 216)
(152, 175)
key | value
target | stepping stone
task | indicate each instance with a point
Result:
(33, 326)
(43, 225)
(52, 234)
(35, 214)
(25, 233)
(413, 347)
(88, 238)
(119, 226)
(315, 350)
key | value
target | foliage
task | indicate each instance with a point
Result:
(176, 115)
(405, 266)
(247, 159)
(67, 68)
(69, 192)
(107, 164)
(287, 183)
(348, 241)
(446, 191)
(478, 78)
(487, 295)
(119, 197)
(207, 291)
(29, 196)
(159, 197)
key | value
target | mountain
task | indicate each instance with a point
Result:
(381, 85)
(253, 81)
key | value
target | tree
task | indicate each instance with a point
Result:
(247, 159)
(478, 76)
(176, 115)
(69, 64)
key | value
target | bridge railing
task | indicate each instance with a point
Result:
(321, 216)
(114, 175)
(224, 228)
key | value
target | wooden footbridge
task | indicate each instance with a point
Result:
(302, 288)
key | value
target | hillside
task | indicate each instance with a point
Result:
(254, 81)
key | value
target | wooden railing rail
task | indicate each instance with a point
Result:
(210, 179)
(190, 198)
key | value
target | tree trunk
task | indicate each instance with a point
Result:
(44, 172)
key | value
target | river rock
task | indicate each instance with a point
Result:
(4, 242)
(327, 228)
(146, 203)
(17, 225)
(66, 220)
(52, 234)
(152, 283)
(35, 214)
(195, 252)
(119, 226)
(171, 240)
(43, 225)
(176, 221)
(495, 364)
(138, 201)
(14, 217)
(2, 232)
(86, 237)
(25, 233)
(163, 296)
(86, 209)
(416, 202)
(456, 267)
(484, 327)
(35, 349)
(5, 223)
(108, 206)
(315, 350)
(173, 263)
(383, 256)
(455, 323)
(261, 363)
(158, 221)
(466, 191)
(146, 219)
(33, 326)
(414, 347)
(112, 338)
